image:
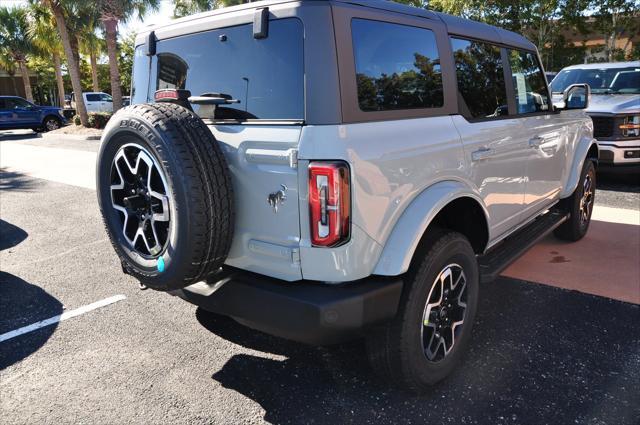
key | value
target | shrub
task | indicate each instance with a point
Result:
(96, 119)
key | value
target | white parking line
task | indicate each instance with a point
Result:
(59, 318)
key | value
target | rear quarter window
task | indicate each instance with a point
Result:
(265, 75)
(397, 66)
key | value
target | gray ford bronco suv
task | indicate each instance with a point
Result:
(328, 170)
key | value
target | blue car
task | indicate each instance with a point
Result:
(17, 113)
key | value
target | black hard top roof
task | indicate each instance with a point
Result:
(455, 25)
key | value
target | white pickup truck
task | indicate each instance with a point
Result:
(95, 101)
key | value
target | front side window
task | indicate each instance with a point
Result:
(19, 104)
(106, 98)
(265, 75)
(397, 66)
(528, 83)
(480, 75)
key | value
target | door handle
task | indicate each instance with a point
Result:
(481, 154)
(536, 142)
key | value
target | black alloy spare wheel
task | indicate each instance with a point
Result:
(165, 194)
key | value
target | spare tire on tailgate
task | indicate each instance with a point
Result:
(165, 195)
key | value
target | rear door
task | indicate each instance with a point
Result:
(258, 128)
(92, 102)
(495, 152)
(544, 132)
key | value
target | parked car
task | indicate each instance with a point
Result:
(614, 108)
(126, 100)
(550, 75)
(95, 101)
(322, 171)
(18, 113)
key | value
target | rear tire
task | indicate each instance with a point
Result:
(404, 351)
(165, 195)
(579, 205)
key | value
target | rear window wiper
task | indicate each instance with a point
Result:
(213, 99)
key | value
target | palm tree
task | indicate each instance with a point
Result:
(61, 10)
(111, 13)
(47, 41)
(189, 7)
(7, 63)
(91, 45)
(16, 41)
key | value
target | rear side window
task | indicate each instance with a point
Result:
(528, 83)
(93, 98)
(480, 75)
(397, 66)
(265, 75)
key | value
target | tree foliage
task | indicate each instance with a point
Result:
(548, 22)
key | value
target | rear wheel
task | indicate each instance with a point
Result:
(431, 330)
(580, 206)
(165, 195)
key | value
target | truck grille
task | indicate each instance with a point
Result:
(602, 127)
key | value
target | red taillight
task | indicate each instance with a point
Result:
(329, 203)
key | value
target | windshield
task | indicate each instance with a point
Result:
(602, 81)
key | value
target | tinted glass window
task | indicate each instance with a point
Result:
(602, 81)
(480, 76)
(106, 98)
(528, 83)
(397, 66)
(93, 97)
(265, 75)
(140, 79)
(17, 103)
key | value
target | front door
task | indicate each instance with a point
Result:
(543, 132)
(25, 113)
(495, 154)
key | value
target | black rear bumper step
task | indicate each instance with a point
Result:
(309, 312)
(514, 246)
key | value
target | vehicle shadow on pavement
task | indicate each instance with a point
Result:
(10, 235)
(538, 355)
(11, 180)
(22, 304)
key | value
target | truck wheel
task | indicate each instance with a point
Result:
(579, 205)
(51, 123)
(430, 333)
(165, 195)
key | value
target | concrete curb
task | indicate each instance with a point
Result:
(71, 136)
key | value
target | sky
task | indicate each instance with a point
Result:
(161, 16)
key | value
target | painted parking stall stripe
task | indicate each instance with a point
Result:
(59, 318)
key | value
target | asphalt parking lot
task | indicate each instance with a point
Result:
(539, 355)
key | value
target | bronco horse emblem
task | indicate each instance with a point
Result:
(276, 198)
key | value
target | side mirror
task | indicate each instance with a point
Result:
(576, 96)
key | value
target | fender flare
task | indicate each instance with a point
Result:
(414, 221)
(580, 155)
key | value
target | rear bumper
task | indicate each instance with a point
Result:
(308, 312)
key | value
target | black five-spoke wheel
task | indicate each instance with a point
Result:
(444, 312)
